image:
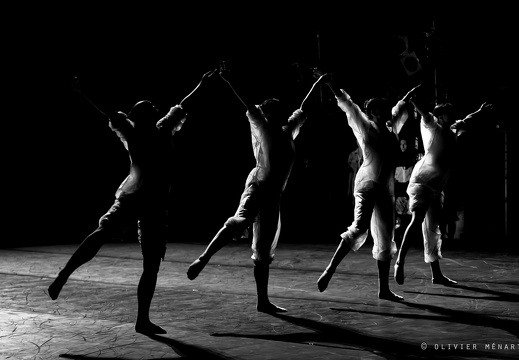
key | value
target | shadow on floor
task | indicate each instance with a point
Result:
(456, 316)
(86, 357)
(498, 295)
(333, 336)
(185, 351)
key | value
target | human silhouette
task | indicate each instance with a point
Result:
(274, 150)
(429, 178)
(375, 131)
(142, 197)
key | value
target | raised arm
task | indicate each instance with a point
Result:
(321, 79)
(192, 98)
(400, 106)
(474, 119)
(411, 93)
(117, 120)
(327, 78)
(484, 108)
(100, 107)
(357, 120)
(234, 84)
(175, 118)
(400, 112)
(417, 102)
(344, 101)
(298, 117)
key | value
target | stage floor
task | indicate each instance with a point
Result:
(214, 316)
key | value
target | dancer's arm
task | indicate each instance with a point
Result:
(427, 116)
(474, 119)
(234, 84)
(321, 79)
(117, 120)
(298, 117)
(189, 101)
(344, 100)
(411, 93)
(176, 117)
(357, 120)
(98, 105)
(400, 106)
(327, 78)
(400, 112)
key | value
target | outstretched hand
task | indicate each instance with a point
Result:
(486, 107)
(209, 74)
(224, 71)
(190, 99)
(76, 85)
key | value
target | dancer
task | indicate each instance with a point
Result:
(273, 146)
(428, 179)
(450, 199)
(402, 175)
(142, 197)
(376, 132)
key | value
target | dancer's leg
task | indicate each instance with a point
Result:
(222, 238)
(383, 282)
(145, 292)
(365, 199)
(342, 250)
(413, 232)
(438, 277)
(382, 230)
(261, 275)
(86, 251)
(432, 243)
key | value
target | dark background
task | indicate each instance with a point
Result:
(64, 164)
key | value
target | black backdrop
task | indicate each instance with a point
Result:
(63, 164)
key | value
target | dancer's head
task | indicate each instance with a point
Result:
(274, 112)
(379, 110)
(144, 113)
(445, 113)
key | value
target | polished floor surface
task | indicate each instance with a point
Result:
(214, 316)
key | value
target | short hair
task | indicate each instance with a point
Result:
(274, 111)
(143, 111)
(271, 105)
(379, 103)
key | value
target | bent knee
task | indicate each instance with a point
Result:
(110, 225)
(237, 226)
(354, 232)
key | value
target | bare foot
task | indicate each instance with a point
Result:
(56, 286)
(389, 295)
(443, 280)
(195, 268)
(324, 279)
(399, 273)
(148, 328)
(270, 308)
